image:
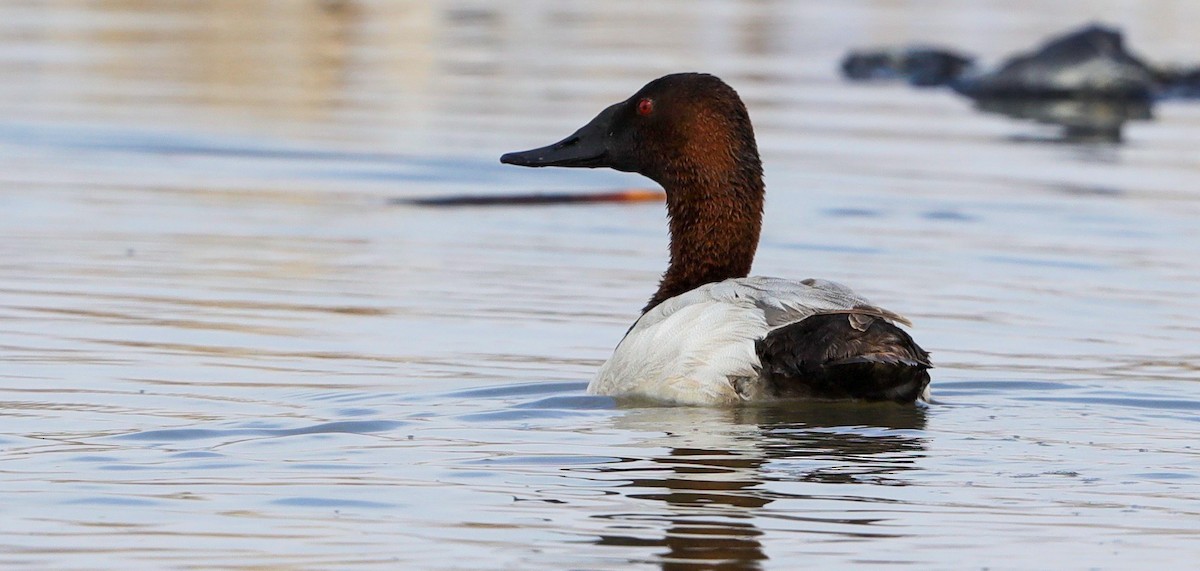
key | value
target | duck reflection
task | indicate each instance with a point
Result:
(1082, 121)
(713, 477)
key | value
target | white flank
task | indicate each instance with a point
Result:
(697, 348)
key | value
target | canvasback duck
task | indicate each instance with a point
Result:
(710, 335)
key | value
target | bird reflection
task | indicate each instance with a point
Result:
(712, 479)
(1082, 120)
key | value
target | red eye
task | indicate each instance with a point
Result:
(645, 106)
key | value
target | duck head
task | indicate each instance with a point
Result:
(677, 125)
(689, 132)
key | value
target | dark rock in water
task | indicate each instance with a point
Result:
(1084, 81)
(1090, 63)
(1179, 83)
(918, 65)
(1188, 84)
(1082, 120)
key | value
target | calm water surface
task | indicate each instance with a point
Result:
(223, 348)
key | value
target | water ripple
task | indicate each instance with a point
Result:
(350, 427)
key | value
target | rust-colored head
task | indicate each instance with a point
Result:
(689, 132)
(683, 124)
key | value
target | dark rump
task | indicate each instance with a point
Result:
(843, 356)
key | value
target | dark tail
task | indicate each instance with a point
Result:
(844, 356)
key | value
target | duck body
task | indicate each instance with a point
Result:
(761, 338)
(710, 335)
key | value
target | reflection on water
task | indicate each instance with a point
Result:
(226, 345)
(1081, 120)
(712, 485)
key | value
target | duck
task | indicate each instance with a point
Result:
(711, 334)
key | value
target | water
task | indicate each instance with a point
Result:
(224, 349)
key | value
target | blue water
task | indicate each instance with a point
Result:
(225, 347)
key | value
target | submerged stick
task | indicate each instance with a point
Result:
(626, 195)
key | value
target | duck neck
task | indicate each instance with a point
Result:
(714, 222)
